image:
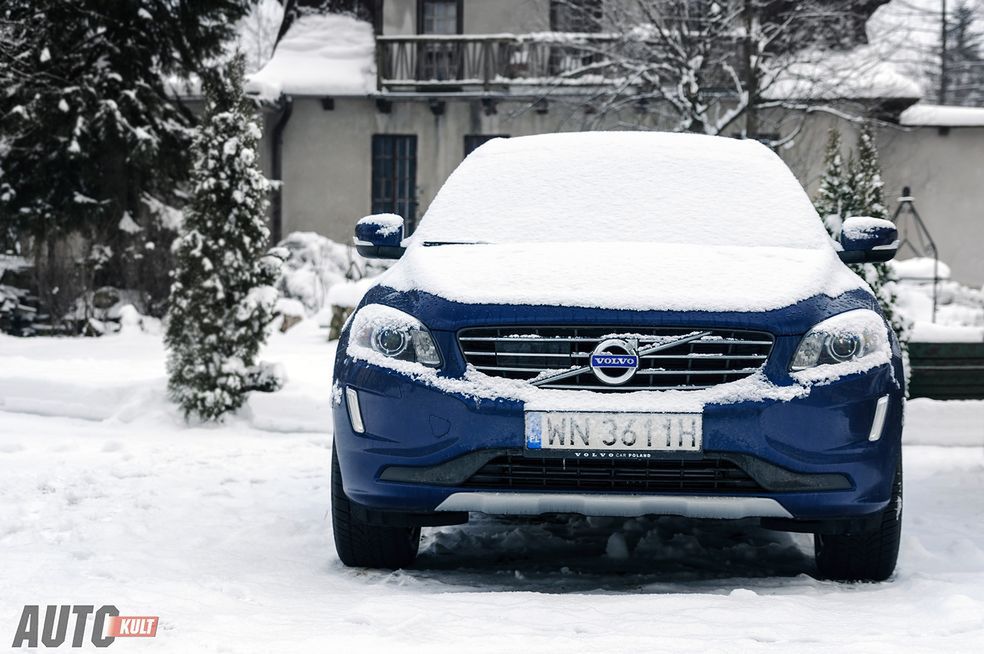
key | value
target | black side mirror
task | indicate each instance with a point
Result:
(380, 236)
(868, 240)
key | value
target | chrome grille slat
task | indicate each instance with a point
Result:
(603, 387)
(523, 353)
(654, 371)
(509, 369)
(582, 339)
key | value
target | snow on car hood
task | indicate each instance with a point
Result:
(612, 275)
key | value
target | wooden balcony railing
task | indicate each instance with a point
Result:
(489, 62)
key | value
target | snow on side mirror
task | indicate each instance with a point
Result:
(868, 240)
(380, 236)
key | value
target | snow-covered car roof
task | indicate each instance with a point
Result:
(623, 186)
(624, 220)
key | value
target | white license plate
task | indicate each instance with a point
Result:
(614, 432)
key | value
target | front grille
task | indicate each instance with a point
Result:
(723, 355)
(635, 475)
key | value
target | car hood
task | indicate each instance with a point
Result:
(628, 276)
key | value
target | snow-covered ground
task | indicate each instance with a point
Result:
(106, 497)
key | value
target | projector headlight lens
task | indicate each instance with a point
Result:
(846, 337)
(394, 334)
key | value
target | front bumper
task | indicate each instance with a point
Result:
(820, 437)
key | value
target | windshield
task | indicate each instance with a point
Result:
(623, 186)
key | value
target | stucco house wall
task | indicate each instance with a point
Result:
(945, 170)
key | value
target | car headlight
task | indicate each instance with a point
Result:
(846, 337)
(394, 334)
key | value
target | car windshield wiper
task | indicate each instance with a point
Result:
(428, 244)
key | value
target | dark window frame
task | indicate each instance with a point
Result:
(391, 192)
(459, 17)
(590, 14)
(476, 140)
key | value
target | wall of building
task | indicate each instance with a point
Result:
(945, 172)
(479, 16)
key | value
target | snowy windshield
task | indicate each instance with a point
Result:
(623, 186)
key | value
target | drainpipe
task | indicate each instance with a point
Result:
(277, 161)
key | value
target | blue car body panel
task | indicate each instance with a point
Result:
(411, 423)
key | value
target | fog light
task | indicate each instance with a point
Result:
(355, 413)
(881, 408)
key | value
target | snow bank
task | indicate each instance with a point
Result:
(928, 332)
(934, 115)
(320, 55)
(919, 268)
(122, 379)
(349, 294)
(12, 262)
(944, 422)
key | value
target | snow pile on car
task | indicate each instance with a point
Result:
(623, 220)
(638, 187)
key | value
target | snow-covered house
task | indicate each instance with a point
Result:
(370, 104)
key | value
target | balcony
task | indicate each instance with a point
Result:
(490, 63)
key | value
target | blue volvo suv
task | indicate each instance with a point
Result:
(621, 324)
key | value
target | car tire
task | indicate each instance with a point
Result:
(363, 545)
(868, 555)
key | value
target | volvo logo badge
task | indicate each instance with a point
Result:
(615, 361)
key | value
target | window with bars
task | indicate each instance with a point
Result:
(472, 141)
(394, 176)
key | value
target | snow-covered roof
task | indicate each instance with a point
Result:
(858, 74)
(934, 115)
(320, 55)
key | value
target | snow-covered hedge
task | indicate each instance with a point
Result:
(959, 308)
(320, 273)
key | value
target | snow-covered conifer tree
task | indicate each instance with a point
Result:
(94, 143)
(833, 196)
(868, 199)
(221, 298)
